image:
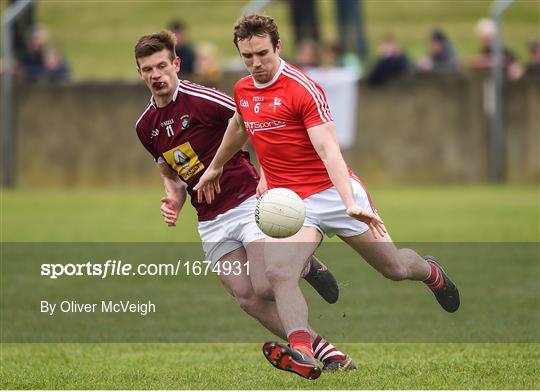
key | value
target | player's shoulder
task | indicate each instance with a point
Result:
(143, 118)
(297, 80)
(245, 82)
(199, 92)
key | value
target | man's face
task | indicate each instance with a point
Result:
(437, 47)
(159, 72)
(260, 58)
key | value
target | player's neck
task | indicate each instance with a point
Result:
(164, 100)
(275, 74)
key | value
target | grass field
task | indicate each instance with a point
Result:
(241, 366)
(412, 214)
(478, 359)
(97, 37)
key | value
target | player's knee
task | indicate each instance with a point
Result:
(264, 292)
(247, 302)
(263, 289)
(277, 274)
(395, 272)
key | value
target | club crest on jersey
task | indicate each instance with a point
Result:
(184, 121)
(275, 104)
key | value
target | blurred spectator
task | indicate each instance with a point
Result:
(441, 57)
(206, 65)
(41, 62)
(183, 48)
(486, 29)
(307, 55)
(391, 62)
(305, 21)
(533, 67)
(56, 68)
(350, 23)
(33, 59)
(338, 58)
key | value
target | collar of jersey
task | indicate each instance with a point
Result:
(269, 83)
(153, 102)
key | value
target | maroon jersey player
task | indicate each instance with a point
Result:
(185, 134)
(182, 127)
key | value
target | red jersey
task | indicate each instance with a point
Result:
(277, 115)
(186, 134)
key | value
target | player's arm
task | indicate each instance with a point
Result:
(233, 140)
(323, 138)
(176, 193)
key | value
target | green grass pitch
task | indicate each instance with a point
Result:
(413, 214)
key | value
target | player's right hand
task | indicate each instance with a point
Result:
(370, 218)
(208, 184)
(169, 210)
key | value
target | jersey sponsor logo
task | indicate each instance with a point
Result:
(184, 121)
(184, 160)
(168, 122)
(244, 103)
(254, 126)
(258, 99)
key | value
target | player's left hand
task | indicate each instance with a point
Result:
(169, 210)
(370, 218)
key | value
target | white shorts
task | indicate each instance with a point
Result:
(230, 230)
(326, 212)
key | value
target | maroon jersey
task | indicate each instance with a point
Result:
(186, 134)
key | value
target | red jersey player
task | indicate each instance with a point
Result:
(287, 118)
(182, 128)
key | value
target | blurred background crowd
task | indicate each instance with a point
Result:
(38, 60)
(410, 84)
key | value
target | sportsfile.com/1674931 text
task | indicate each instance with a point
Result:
(119, 268)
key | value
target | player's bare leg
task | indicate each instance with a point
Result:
(399, 264)
(240, 287)
(265, 310)
(285, 259)
(314, 272)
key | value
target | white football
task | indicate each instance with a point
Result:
(280, 213)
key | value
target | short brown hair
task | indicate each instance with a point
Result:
(153, 43)
(250, 25)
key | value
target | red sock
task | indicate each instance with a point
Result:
(325, 351)
(301, 340)
(435, 280)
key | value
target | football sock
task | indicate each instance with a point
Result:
(325, 351)
(435, 280)
(306, 269)
(300, 339)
